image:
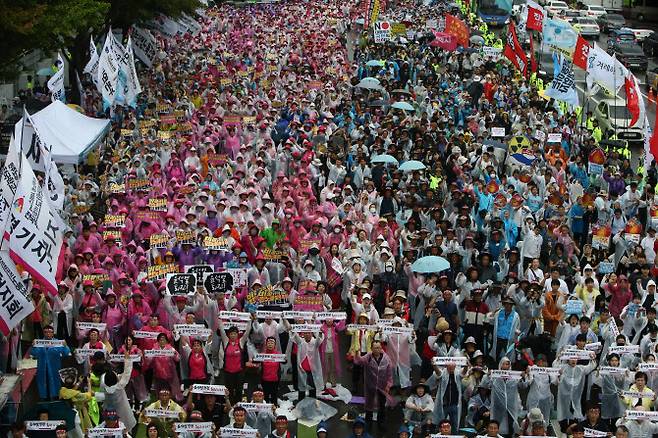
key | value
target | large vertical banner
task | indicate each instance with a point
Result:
(108, 71)
(14, 303)
(35, 231)
(56, 82)
(145, 45)
(39, 155)
(92, 66)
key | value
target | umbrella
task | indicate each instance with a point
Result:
(375, 63)
(78, 108)
(370, 79)
(384, 158)
(477, 39)
(430, 264)
(378, 102)
(46, 71)
(400, 91)
(405, 106)
(368, 85)
(411, 165)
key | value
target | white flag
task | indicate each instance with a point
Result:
(134, 88)
(145, 45)
(92, 66)
(14, 303)
(8, 183)
(39, 155)
(56, 82)
(191, 23)
(108, 71)
(35, 231)
(604, 69)
(165, 25)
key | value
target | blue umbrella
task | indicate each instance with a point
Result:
(430, 264)
(385, 158)
(46, 71)
(375, 63)
(369, 84)
(405, 106)
(370, 79)
(411, 165)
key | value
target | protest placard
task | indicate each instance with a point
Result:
(267, 296)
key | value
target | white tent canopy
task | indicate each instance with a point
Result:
(71, 134)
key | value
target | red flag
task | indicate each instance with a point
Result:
(513, 50)
(535, 17)
(458, 29)
(533, 60)
(632, 99)
(581, 52)
(444, 40)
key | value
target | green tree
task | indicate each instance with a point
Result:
(66, 26)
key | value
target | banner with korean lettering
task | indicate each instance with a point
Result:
(35, 235)
(108, 71)
(14, 304)
(38, 153)
(133, 88)
(563, 87)
(56, 82)
(604, 69)
(145, 45)
(8, 183)
(92, 66)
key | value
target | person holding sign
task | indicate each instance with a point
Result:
(163, 363)
(648, 397)
(49, 362)
(136, 388)
(638, 427)
(94, 343)
(570, 389)
(198, 367)
(309, 365)
(114, 388)
(168, 412)
(330, 350)
(234, 354)
(270, 372)
(505, 399)
(378, 374)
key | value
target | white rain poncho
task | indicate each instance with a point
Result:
(439, 380)
(612, 406)
(505, 400)
(540, 394)
(311, 350)
(399, 346)
(570, 388)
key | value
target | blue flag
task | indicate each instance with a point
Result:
(559, 33)
(563, 87)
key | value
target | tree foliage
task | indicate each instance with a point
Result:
(66, 25)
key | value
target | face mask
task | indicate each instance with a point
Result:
(373, 210)
(337, 230)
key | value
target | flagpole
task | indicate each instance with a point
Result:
(20, 172)
(614, 81)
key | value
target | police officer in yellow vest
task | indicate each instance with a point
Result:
(597, 134)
